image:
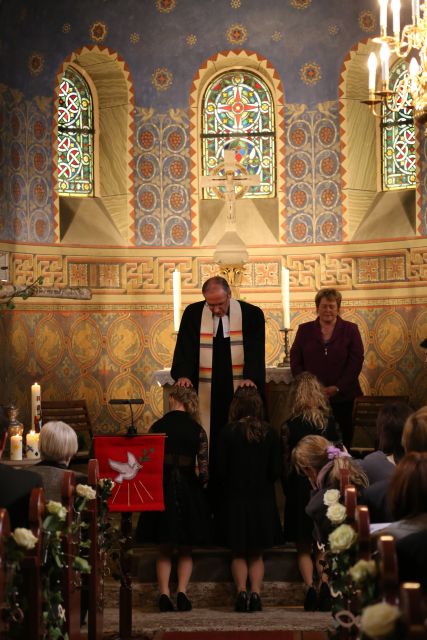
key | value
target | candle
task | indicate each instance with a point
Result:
(285, 298)
(32, 445)
(384, 57)
(383, 17)
(395, 7)
(372, 66)
(16, 447)
(35, 402)
(415, 11)
(176, 282)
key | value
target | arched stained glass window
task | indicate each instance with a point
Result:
(75, 135)
(398, 133)
(238, 114)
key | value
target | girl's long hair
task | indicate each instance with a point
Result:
(247, 412)
(312, 451)
(310, 401)
(188, 397)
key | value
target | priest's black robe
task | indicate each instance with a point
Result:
(186, 360)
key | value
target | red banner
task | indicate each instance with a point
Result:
(135, 464)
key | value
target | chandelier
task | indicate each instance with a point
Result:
(412, 38)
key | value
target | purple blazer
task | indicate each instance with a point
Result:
(339, 363)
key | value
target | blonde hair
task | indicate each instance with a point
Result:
(414, 436)
(187, 396)
(309, 401)
(58, 442)
(312, 451)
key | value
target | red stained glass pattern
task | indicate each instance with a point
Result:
(238, 114)
(75, 136)
(398, 134)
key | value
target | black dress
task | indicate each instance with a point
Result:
(185, 521)
(298, 525)
(248, 470)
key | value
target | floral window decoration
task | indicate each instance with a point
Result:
(75, 136)
(398, 133)
(238, 115)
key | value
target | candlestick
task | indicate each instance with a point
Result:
(32, 445)
(285, 298)
(35, 401)
(286, 359)
(176, 282)
(16, 447)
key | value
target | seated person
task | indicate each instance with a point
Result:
(391, 419)
(15, 491)
(407, 495)
(57, 445)
(414, 438)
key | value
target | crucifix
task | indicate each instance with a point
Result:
(235, 177)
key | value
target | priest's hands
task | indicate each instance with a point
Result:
(247, 383)
(184, 382)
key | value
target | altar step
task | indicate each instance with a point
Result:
(211, 584)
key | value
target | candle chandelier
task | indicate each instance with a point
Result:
(411, 39)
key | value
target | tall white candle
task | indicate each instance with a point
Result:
(383, 17)
(16, 447)
(415, 11)
(176, 282)
(32, 445)
(285, 298)
(385, 57)
(35, 402)
(395, 7)
(372, 66)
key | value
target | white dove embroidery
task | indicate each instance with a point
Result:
(127, 470)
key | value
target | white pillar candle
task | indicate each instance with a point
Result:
(415, 11)
(32, 445)
(285, 299)
(176, 283)
(385, 57)
(16, 447)
(35, 402)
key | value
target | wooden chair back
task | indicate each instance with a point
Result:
(4, 534)
(362, 524)
(76, 415)
(71, 578)
(389, 572)
(365, 412)
(413, 610)
(31, 568)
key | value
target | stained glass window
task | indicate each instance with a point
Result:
(398, 133)
(75, 135)
(238, 115)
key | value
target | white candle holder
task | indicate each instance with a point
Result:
(286, 362)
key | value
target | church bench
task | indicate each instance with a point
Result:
(4, 534)
(70, 576)
(96, 561)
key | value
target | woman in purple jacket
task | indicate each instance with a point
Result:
(331, 348)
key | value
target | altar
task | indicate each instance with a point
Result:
(277, 392)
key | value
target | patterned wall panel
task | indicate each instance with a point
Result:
(25, 168)
(103, 354)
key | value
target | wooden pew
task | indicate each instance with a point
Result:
(389, 573)
(362, 524)
(70, 577)
(413, 610)
(96, 561)
(31, 569)
(4, 534)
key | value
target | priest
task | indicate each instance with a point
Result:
(220, 346)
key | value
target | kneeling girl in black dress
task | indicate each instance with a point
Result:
(248, 466)
(185, 521)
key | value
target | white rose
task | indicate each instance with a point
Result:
(336, 513)
(362, 569)
(84, 491)
(331, 497)
(342, 538)
(24, 538)
(56, 508)
(379, 620)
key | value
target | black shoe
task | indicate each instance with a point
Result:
(325, 598)
(255, 603)
(241, 602)
(165, 604)
(182, 602)
(311, 600)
